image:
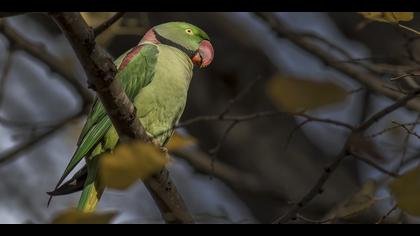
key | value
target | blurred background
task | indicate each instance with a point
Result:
(251, 173)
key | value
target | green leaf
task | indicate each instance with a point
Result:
(406, 190)
(293, 94)
(74, 216)
(130, 162)
(388, 17)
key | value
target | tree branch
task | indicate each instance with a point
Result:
(101, 70)
(399, 103)
(374, 165)
(108, 23)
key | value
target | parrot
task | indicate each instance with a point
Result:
(155, 74)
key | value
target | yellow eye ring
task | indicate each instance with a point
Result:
(189, 31)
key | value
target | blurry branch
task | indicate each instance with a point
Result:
(101, 71)
(39, 52)
(108, 23)
(379, 115)
(373, 164)
(343, 52)
(410, 131)
(8, 14)
(263, 114)
(403, 76)
(368, 79)
(347, 150)
(4, 74)
(17, 151)
(30, 125)
(232, 176)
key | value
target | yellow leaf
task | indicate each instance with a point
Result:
(292, 94)
(362, 200)
(74, 216)
(130, 162)
(389, 17)
(178, 141)
(406, 190)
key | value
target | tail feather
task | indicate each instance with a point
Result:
(73, 185)
(90, 197)
(92, 190)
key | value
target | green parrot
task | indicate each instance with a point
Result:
(155, 75)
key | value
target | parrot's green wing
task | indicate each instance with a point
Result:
(135, 70)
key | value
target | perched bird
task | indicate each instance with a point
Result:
(155, 75)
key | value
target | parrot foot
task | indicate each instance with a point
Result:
(164, 150)
(157, 144)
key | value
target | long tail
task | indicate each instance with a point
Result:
(92, 190)
(75, 184)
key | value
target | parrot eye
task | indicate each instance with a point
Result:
(189, 31)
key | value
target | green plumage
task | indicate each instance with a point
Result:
(156, 80)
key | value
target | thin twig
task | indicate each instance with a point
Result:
(28, 125)
(399, 103)
(403, 76)
(410, 131)
(383, 218)
(214, 152)
(374, 165)
(292, 133)
(108, 23)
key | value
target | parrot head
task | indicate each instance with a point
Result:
(186, 37)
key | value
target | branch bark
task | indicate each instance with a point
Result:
(101, 70)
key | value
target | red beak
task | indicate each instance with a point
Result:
(204, 55)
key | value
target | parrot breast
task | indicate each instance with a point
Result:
(161, 103)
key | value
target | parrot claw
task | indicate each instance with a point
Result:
(164, 150)
(156, 142)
